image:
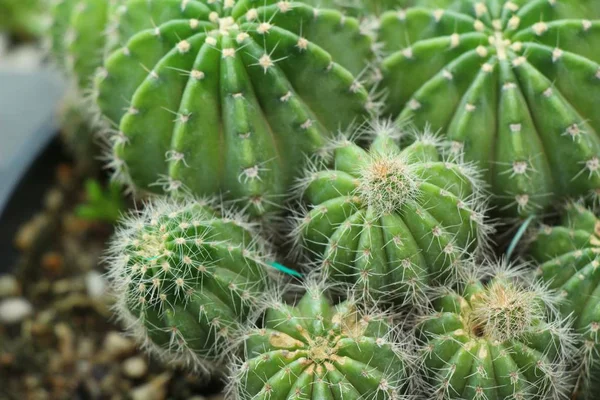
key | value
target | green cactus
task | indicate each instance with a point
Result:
(315, 351)
(361, 8)
(185, 277)
(388, 221)
(513, 82)
(228, 96)
(569, 256)
(498, 340)
(78, 35)
(23, 18)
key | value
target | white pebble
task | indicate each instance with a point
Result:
(116, 345)
(9, 286)
(95, 284)
(14, 310)
(135, 367)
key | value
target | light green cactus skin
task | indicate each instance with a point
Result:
(319, 352)
(78, 36)
(394, 253)
(464, 360)
(23, 18)
(361, 8)
(185, 279)
(225, 97)
(569, 257)
(513, 82)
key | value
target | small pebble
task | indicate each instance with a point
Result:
(116, 345)
(156, 389)
(135, 367)
(95, 284)
(52, 262)
(29, 232)
(9, 286)
(14, 310)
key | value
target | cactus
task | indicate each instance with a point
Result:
(512, 82)
(186, 277)
(226, 97)
(78, 35)
(23, 18)
(361, 8)
(388, 221)
(498, 340)
(316, 351)
(568, 258)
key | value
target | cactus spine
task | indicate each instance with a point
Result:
(498, 340)
(390, 221)
(186, 277)
(228, 96)
(512, 82)
(315, 351)
(569, 257)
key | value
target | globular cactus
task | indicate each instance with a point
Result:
(317, 351)
(186, 277)
(361, 8)
(497, 340)
(514, 83)
(78, 35)
(228, 96)
(390, 221)
(568, 256)
(23, 18)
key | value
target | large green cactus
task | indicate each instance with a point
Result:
(186, 278)
(513, 82)
(569, 257)
(498, 340)
(228, 96)
(388, 221)
(361, 8)
(78, 35)
(315, 351)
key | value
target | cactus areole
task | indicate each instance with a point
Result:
(185, 279)
(319, 352)
(495, 341)
(514, 83)
(388, 221)
(229, 96)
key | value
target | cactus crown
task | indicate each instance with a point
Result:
(186, 276)
(501, 338)
(314, 349)
(508, 81)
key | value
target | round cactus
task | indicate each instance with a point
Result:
(569, 257)
(78, 35)
(390, 221)
(498, 340)
(514, 83)
(186, 277)
(360, 7)
(316, 351)
(228, 96)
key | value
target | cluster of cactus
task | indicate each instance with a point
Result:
(319, 113)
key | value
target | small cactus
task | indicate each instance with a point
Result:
(78, 36)
(228, 96)
(514, 83)
(497, 340)
(569, 256)
(23, 18)
(316, 351)
(390, 221)
(186, 277)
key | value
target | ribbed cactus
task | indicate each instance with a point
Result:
(514, 83)
(497, 340)
(78, 35)
(228, 96)
(316, 351)
(569, 256)
(361, 7)
(23, 18)
(390, 221)
(185, 278)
